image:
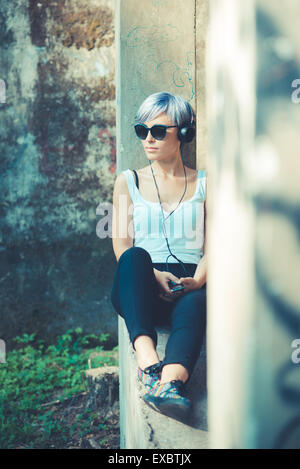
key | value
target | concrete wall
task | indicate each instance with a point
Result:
(155, 52)
(253, 248)
(202, 20)
(57, 145)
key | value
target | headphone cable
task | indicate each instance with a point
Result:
(164, 219)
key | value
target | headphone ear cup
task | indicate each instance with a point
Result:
(186, 134)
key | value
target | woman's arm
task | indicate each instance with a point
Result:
(122, 227)
(199, 279)
(200, 273)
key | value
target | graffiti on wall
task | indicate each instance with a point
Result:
(277, 68)
(150, 64)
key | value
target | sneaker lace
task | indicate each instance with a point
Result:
(156, 368)
(177, 384)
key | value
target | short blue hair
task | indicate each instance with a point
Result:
(178, 109)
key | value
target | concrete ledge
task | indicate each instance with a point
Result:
(142, 427)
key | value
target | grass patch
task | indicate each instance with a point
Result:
(36, 377)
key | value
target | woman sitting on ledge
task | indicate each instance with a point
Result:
(158, 238)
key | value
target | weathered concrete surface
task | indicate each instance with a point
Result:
(202, 17)
(253, 283)
(155, 52)
(142, 427)
(57, 146)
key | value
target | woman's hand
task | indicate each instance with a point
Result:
(189, 284)
(163, 279)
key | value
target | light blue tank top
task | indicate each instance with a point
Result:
(184, 228)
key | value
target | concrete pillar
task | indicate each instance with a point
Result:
(253, 64)
(155, 42)
(201, 35)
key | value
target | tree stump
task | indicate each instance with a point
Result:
(103, 384)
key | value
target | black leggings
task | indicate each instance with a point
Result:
(134, 296)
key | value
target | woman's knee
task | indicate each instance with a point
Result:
(135, 252)
(192, 304)
(195, 297)
(135, 269)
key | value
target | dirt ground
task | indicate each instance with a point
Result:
(104, 426)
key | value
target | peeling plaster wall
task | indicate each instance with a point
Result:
(57, 147)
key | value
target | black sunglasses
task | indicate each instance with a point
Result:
(157, 131)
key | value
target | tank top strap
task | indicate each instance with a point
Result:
(201, 173)
(131, 185)
(137, 178)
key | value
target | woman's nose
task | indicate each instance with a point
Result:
(150, 137)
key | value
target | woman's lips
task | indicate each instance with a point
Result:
(151, 148)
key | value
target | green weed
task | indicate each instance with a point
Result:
(35, 374)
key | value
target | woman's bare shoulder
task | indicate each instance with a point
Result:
(121, 189)
(191, 173)
(121, 183)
